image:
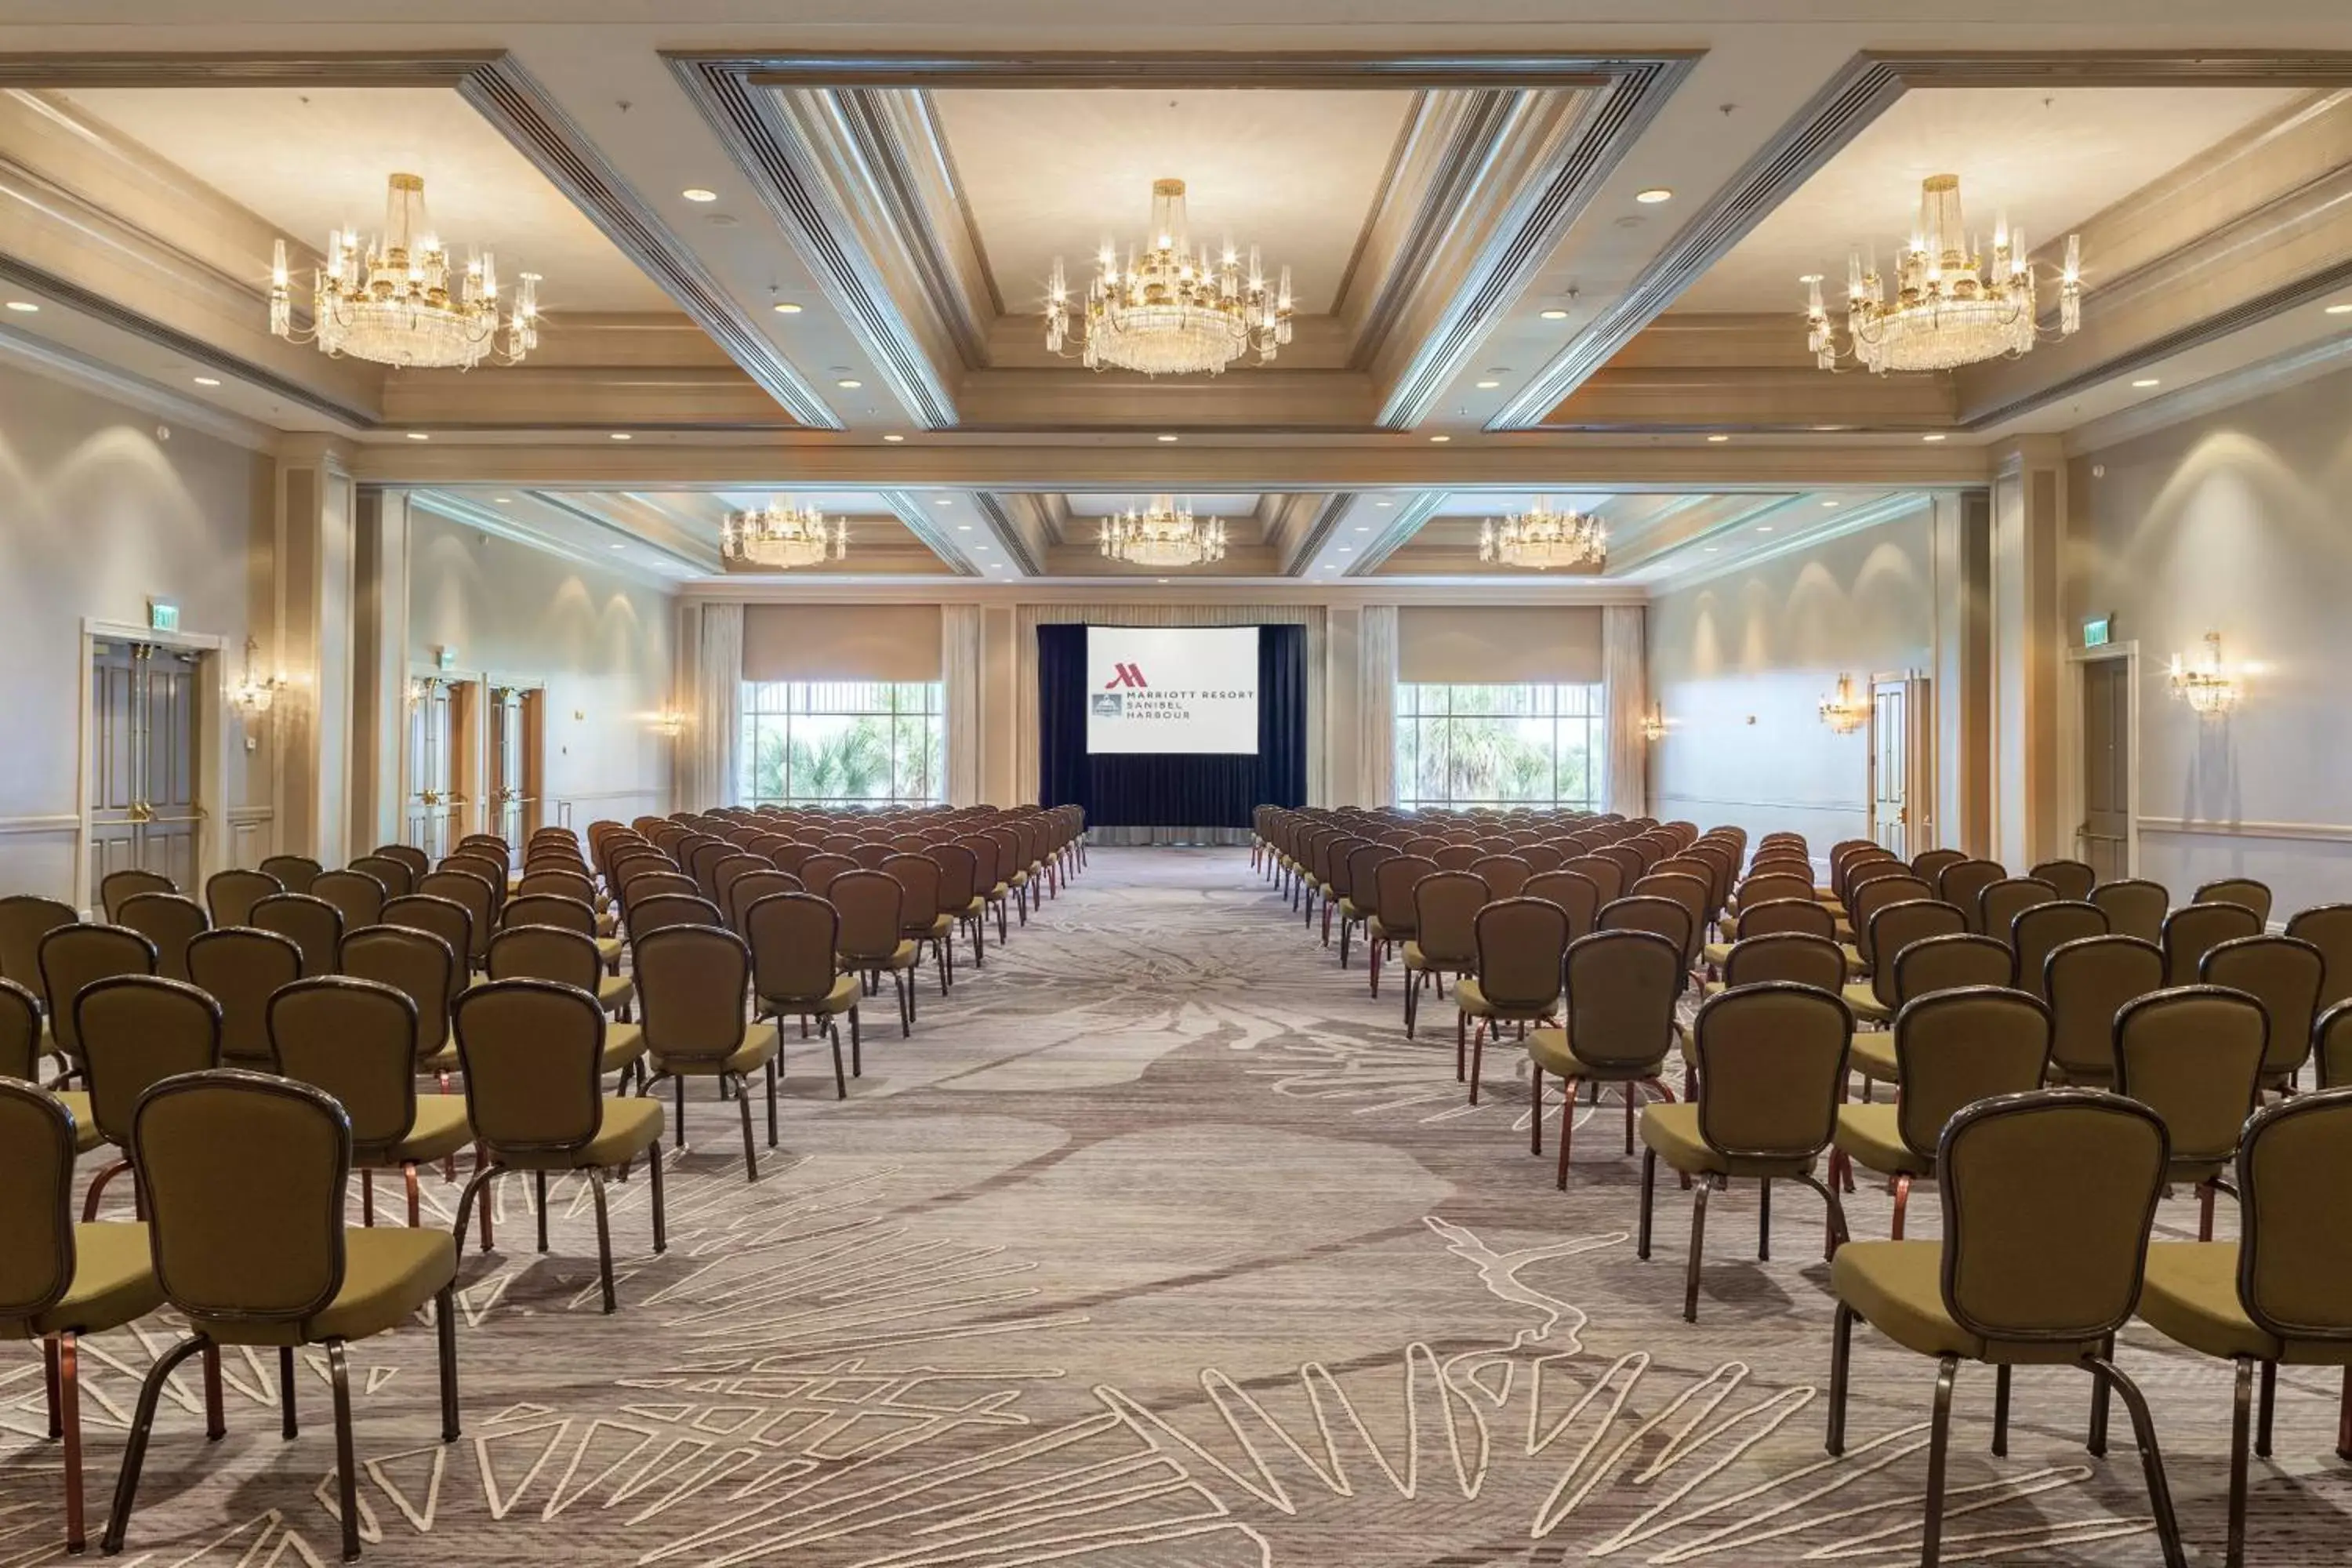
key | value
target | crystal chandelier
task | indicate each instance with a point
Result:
(2207, 686)
(1542, 537)
(1171, 311)
(398, 302)
(1164, 533)
(780, 537)
(1949, 307)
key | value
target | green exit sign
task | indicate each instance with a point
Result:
(162, 616)
(2095, 633)
(445, 656)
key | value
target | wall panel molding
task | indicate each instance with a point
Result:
(2293, 832)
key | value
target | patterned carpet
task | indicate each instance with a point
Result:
(1159, 1246)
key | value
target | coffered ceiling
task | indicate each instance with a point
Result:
(1552, 258)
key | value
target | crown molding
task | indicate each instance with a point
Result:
(1830, 120)
(1886, 510)
(490, 521)
(924, 525)
(41, 357)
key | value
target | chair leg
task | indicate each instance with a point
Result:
(2160, 1493)
(2204, 1211)
(98, 1188)
(909, 988)
(1477, 1062)
(445, 1333)
(539, 1200)
(2269, 1396)
(1413, 979)
(840, 1077)
(906, 1005)
(1836, 1212)
(1461, 1045)
(415, 1212)
(772, 1102)
(604, 1230)
(290, 1424)
(1764, 1221)
(743, 1104)
(2001, 1411)
(65, 1349)
(1939, 1442)
(1649, 1200)
(1698, 1243)
(2094, 1441)
(2241, 1397)
(51, 1386)
(346, 1467)
(479, 1184)
(134, 1451)
(216, 1422)
(1840, 1360)
(367, 1199)
(1901, 1200)
(661, 1217)
(1631, 1090)
(677, 1133)
(857, 1046)
(1566, 1121)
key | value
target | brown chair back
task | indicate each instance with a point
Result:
(1445, 915)
(1807, 915)
(1520, 945)
(1622, 988)
(818, 871)
(356, 1039)
(421, 964)
(750, 888)
(534, 1055)
(1573, 892)
(36, 1180)
(1668, 917)
(1895, 927)
(295, 873)
(136, 1031)
(397, 878)
(1506, 876)
(2294, 1245)
(2193, 1053)
(2134, 907)
(129, 883)
(1392, 893)
(919, 875)
(2242, 891)
(2192, 931)
(2073, 878)
(546, 952)
(24, 920)
(1928, 864)
(794, 939)
(229, 896)
(2331, 1043)
(2285, 975)
(2087, 982)
(1955, 1047)
(75, 956)
(1772, 1060)
(561, 881)
(20, 1032)
(692, 983)
(2328, 928)
(555, 910)
(1607, 876)
(171, 922)
(1773, 886)
(357, 896)
(1867, 899)
(1951, 962)
(1999, 903)
(1688, 891)
(1798, 958)
(312, 924)
(242, 967)
(2042, 929)
(473, 893)
(872, 906)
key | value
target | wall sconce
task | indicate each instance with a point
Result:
(1654, 724)
(2206, 686)
(419, 688)
(1843, 712)
(251, 696)
(669, 721)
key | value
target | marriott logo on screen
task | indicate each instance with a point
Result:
(1125, 674)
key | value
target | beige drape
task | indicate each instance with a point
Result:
(1625, 679)
(1376, 683)
(1027, 618)
(708, 757)
(960, 673)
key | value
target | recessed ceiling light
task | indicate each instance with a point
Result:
(943, 500)
(1167, 438)
(1713, 548)
(963, 528)
(2148, 381)
(503, 501)
(1384, 503)
(1810, 278)
(1347, 549)
(1719, 438)
(1555, 314)
(1363, 528)
(894, 435)
(623, 436)
(1489, 385)
(786, 307)
(848, 385)
(23, 307)
(1932, 436)
(418, 435)
(617, 547)
(207, 381)
(1441, 438)
(1829, 503)
(1160, 579)
(2343, 310)
(1653, 195)
(1763, 528)
(696, 194)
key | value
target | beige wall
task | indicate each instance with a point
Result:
(600, 643)
(1740, 663)
(98, 511)
(2238, 522)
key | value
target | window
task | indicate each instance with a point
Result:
(844, 742)
(1535, 744)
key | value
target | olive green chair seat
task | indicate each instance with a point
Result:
(389, 1275)
(609, 947)
(843, 998)
(1550, 1049)
(1897, 1288)
(900, 957)
(445, 1061)
(439, 1131)
(2191, 1295)
(1471, 1001)
(630, 1127)
(615, 992)
(1415, 958)
(1863, 1000)
(1672, 1131)
(1717, 953)
(625, 1045)
(113, 1284)
(85, 1133)
(1873, 1054)
(1351, 911)
(758, 1048)
(1870, 1137)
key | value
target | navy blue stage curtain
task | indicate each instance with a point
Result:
(1161, 790)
